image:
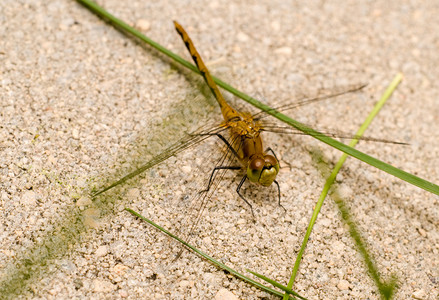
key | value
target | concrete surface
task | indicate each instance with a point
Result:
(82, 104)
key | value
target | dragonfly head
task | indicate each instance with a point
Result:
(263, 169)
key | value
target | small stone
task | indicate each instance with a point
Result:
(67, 266)
(224, 294)
(120, 269)
(8, 253)
(287, 51)
(5, 82)
(101, 251)
(207, 240)
(184, 284)
(29, 198)
(133, 194)
(148, 273)
(143, 25)
(92, 212)
(53, 292)
(52, 159)
(91, 217)
(24, 161)
(102, 286)
(241, 221)
(242, 37)
(75, 133)
(78, 283)
(75, 196)
(123, 293)
(91, 222)
(83, 201)
(324, 278)
(345, 191)
(186, 169)
(210, 279)
(275, 25)
(343, 285)
(422, 232)
(338, 246)
(234, 259)
(419, 294)
(325, 222)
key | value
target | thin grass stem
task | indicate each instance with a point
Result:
(209, 258)
(395, 82)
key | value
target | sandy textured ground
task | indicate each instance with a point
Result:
(82, 104)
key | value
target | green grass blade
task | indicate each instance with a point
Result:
(330, 181)
(204, 255)
(417, 181)
(276, 284)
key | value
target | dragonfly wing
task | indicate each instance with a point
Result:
(322, 95)
(189, 140)
(201, 199)
(272, 127)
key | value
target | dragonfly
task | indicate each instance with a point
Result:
(245, 141)
(241, 132)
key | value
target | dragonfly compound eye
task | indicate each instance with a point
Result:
(270, 170)
(270, 160)
(263, 170)
(255, 167)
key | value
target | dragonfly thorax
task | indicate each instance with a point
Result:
(245, 126)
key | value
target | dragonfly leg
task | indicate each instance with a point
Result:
(278, 191)
(213, 173)
(277, 183)
(238, 189)
(225, 142)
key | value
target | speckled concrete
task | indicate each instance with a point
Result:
(82, 104)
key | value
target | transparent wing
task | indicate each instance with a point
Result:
(337, 134)
(212, 180)
(323, 95)
(188, 141)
